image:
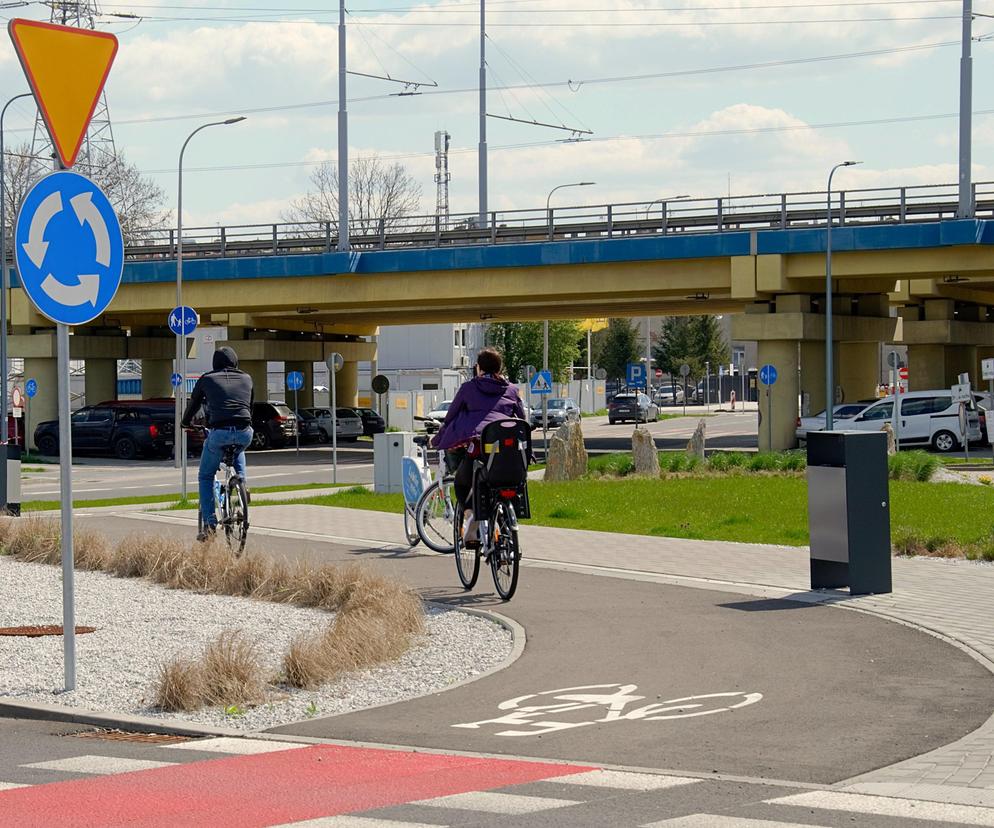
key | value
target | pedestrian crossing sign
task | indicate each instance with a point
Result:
(541, 382)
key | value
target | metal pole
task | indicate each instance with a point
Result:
(965, 209)
(334, 429)
(5, 278)
(769, 416)
(545, 397)
(707, 387)
(990, 389)
(648, 355)
(296, 409)
(65, 495)
(343, 137)
(896, 382)
(482, 151)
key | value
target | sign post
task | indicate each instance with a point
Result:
(962, 395)
(182, 321)
(68, 248)
(30, 389)
(381, 385)
(768, 376)
(541, 384)
(684, 372)
(335, 363)
(295, 381)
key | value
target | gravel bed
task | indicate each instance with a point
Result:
(141, 625)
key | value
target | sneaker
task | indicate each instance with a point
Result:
(207, 534)
(470, 531)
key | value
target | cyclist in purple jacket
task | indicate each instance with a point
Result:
(485, 398)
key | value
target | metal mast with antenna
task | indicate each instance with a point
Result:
(98, 150)
(442, 177)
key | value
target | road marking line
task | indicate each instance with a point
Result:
(234, 745)
(625, 781)
(889, 806)
(719, 821)
(347, 821)
(9, 786)
(496, 803)
(98, 765)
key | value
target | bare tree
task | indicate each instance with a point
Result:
(377, 191)
(136, 200)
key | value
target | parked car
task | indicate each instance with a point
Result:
(125, 429)
(308, 427)
(668, 394)
(274, 425)
(348, 424)
(843, 411)
(194, 438)
(925, 418)
(372, 423)
(632, 405)
(439, 411)
(561, 410)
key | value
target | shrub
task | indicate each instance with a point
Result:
(764, 461)
(912, 465)
(615, 465)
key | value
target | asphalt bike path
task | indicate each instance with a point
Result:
(613, 667)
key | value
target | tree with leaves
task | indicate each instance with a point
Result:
(690, 340)
(618, 345)
(376, 191)
(520, 343)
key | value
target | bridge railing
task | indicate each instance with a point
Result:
(660, 216)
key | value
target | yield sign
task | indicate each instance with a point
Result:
(66, 68)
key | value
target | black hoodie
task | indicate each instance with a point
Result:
(226, 394)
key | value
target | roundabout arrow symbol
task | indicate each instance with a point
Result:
(36, 246)
(72, 295)
(87, 213)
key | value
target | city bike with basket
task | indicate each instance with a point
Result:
(499, 497)
(429, 503)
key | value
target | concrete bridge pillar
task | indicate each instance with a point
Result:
(157, 378)
(305, 396)
(858, 370)
(779, 401)
(100, 380)
(45, 405)
(256, 368)
(812, 376)
(347, 385)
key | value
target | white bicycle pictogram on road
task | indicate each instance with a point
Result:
(610, 702)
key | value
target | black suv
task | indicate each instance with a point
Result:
(125, 429)
(274, 425)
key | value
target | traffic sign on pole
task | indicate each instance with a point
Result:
(183, 320)
(16, 398)
(295, 380)
(68, 248)
(541, 382)
(31, 388)
(768, 374)
(66, 68)
(176, 379)
(635, 374)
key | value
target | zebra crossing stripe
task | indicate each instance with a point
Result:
(889, 806)
(720, 821)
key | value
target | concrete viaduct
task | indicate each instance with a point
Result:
(900, 276)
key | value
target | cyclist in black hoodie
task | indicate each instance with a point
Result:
(227, 396)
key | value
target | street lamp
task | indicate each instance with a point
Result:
(4, 279)
(545, 327)
(179, 436)
(829, 379)
(663, 202)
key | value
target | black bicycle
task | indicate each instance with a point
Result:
(499, 497)
(231, 502)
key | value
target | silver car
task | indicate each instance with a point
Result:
(348, 424)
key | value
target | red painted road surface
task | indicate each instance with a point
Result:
(262, 790)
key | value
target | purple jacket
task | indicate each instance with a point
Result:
(479, 401)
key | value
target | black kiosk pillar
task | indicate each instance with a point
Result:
(849, 511)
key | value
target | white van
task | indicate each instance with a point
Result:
(926, 418)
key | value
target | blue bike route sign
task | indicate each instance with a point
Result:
(295, 380)
(768, 374)
(31, 387)
(68, 248)
(176, 379)
(183, 321)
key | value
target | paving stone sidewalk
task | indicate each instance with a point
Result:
(950, 598)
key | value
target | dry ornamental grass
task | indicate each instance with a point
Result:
(376, 618)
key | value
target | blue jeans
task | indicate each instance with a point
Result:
(210, 460)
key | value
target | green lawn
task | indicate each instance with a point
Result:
(761, 509)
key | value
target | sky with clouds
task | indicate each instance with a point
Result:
(698, 97)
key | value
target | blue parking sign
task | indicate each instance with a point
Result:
(635, 374)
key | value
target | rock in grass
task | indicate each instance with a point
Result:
(644, 453)
(695, 448)
(567, 455)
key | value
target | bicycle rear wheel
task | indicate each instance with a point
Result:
(467, 560)
(236, 523)
(505, 556)
(410, 526)
(435, 515)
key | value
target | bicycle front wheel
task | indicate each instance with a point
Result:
(435, 516)
(505, 556)
(410, 526)
(467, 560)
(236, 522)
